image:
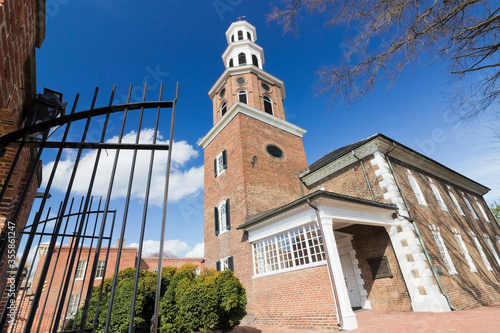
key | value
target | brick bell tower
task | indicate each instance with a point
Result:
(253, 156)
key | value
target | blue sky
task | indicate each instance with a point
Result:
(100, 43)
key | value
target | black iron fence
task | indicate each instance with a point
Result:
(51, 265)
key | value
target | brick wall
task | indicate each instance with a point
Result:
(22, 28)
(297, 299)
(350, 180)
(255, 94)
(251, 188)
(386, 293)
(466, 289)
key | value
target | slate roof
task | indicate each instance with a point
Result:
(333, 155)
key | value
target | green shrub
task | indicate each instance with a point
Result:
(189, 303)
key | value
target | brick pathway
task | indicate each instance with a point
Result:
(485, 319)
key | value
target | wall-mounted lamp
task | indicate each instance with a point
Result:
(48, 106)
(254, 159)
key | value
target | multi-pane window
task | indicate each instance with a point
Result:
(482, 210)
(249, 36)
(223, 109)
(242, 96)
(438, 196)
(492, 248)
(481, 252)
(73, 305)
(100, 269)
(467, 202)
(285, 251)
(445, 255)
(221, 215)
(240, 35)
(268, 105)
(416, 189)
(465, 252)
(225, 263)
(220, 163)
(80, 269)
(455, 202)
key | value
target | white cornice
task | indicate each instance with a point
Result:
(245, 109)
(247, 69)
(342, 212)
(237, 25)
(243, 45)
(399, 152)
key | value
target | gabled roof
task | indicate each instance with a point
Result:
(342, 157)
(333, 155)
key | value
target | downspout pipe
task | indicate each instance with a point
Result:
(364, 172)
(419, 236)
(329, 265)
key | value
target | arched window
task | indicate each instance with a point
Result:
(467, 202)
(482, 210)
(268, 105)
(438, 196)
(231, 63)
(232, 38)
(240, 35)
(255, 61)
(249, 36)
(416, 189)
(223, 109)
(242, 59)
(242, 96)
(221, 214)
(455, 202)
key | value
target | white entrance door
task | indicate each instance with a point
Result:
(350, 281)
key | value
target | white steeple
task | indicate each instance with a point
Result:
(242, 50)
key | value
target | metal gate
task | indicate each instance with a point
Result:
(101, 168)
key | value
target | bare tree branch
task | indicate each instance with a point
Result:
(464, 33)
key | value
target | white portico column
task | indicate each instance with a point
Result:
(348, 316)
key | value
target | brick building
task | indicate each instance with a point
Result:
(22, 29)
(79, 279)
(373, 225)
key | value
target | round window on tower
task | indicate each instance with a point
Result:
(265, 87)
(240, 81)
(274, 151)
(222, 92)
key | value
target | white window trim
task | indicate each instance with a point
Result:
(270, 102)
(72, 304)
(83, 271)
(482, 210)
(481, 252)
(465, 252)
(286, 234)
(220, 164)
(222, 218)
(467, 202)
(100, 269)
(445, 255)
(438, 196)
(416, 189)
(492, 248)
(224, 264)
(455, 202)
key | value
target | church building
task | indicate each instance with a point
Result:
(372, 225)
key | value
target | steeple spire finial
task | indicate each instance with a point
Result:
(241, 17)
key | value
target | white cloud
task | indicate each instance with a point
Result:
(197, 252)
(174, 246)
(182, 182)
